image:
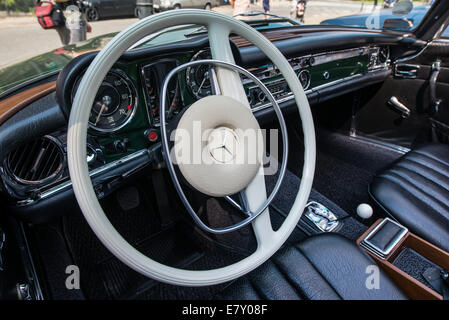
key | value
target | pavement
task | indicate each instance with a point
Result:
(22, 37)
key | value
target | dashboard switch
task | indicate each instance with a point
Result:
(121, 145)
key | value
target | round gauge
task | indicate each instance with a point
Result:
(114, 104)
(198, 77)
(304, 78)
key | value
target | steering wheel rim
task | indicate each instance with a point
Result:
(220, 27)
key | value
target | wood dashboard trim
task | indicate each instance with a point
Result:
(15, 103)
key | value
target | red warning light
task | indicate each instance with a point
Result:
(152, 136)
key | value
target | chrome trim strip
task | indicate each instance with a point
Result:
(367, 244)
(380, 143)
(339, 55)
(38, 295)
(67, 184)
(290, 95)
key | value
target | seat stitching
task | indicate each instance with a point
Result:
(257, 290)
(318, 271)
(401, 185)
(430, 157)
(419, 189)
(426, 166)
(297, 289)
(437, 185)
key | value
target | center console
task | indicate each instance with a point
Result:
(416, 266)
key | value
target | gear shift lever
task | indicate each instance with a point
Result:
(364, 211)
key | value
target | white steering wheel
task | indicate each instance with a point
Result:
(233, 96)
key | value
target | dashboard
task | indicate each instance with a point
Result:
(124, 124)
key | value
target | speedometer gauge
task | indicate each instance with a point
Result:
(198, 77)
(114, 104)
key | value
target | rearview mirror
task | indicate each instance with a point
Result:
(400, 24)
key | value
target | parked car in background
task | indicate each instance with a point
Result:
(162, 5)
(364, 20)
(99, 9)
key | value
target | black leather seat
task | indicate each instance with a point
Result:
(326, 267)
(415, 191)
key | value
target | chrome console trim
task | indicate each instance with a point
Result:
(94, 173)
(383, 253)
(290, 96)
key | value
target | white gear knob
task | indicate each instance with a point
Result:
(364, 211)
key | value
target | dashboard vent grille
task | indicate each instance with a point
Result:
(36, 162)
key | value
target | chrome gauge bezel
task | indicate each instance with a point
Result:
(195, 57)
(305, 71)
(129, 83)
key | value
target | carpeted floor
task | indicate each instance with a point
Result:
(344, 168)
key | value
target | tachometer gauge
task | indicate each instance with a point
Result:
(114, 104)
(198, 77)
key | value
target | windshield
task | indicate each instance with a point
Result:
(40, 37)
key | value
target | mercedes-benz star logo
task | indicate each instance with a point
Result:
(222, 143)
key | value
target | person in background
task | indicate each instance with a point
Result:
(75, 26)
(298, 10)
(240, 6)
(266, 6)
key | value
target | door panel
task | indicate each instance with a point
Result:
(410, 83)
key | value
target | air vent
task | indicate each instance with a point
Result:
(36, 162)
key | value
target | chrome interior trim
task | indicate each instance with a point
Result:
(290, 95)
(67, 184)
(380, 143)
(170, 166)
(367, 244)
(51, 177)
(31, 273)
(132, 87)
(413, 56)
(339, 55)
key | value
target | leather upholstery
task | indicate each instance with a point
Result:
(323, 267)
(415, 191)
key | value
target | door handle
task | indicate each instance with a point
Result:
(399, 107)
(406, 71)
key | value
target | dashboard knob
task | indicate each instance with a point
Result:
(364, 211)
(121, 145)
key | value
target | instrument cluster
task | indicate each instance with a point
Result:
(115, 103)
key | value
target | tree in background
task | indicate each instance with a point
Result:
(16, 5)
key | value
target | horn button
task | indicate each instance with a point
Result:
(223, 144)
(218, 145)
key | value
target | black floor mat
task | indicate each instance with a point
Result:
(344, 168)
(349, 227)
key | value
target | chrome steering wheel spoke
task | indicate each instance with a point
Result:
(256, 201)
